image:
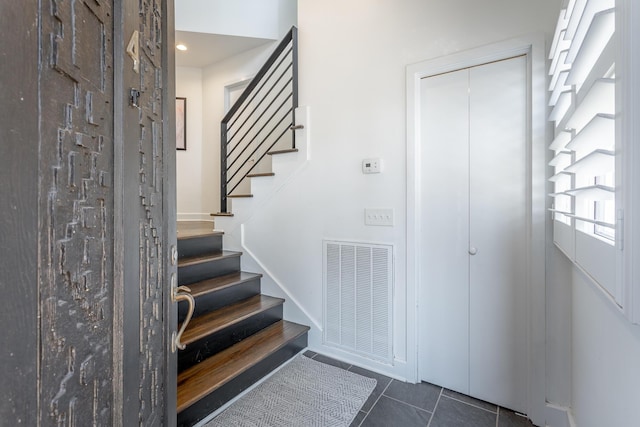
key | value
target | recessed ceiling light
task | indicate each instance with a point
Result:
(181, 47)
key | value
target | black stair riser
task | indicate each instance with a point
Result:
(215, 400)
(218, 299)
(206, 270)
(202, 245)
(202, 349)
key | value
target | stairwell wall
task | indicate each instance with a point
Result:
(189, 164)
(353, 56)
(606, 349)
(269, 19)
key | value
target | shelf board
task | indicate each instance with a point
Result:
(557, 211)
(562, 107)
(561, 140)
(597, 20)
(560, 87)
(592, 221)
(559, 37)
(599, 99)
(599, 55)
(560, 175)
(599, 133)
(598, 162)
(560, 157)
(599, 192)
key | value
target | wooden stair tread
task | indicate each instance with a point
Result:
(221, 282)
(189, 234)
(289, 150)
(238, 196)
(205, 258)
(207, 376)
(217, 320)
(258, 175)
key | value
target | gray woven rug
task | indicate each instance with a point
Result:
(304, 393)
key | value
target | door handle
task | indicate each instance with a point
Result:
(182, 293)
(473, 250)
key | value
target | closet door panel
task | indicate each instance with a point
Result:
(445, 231)
(497, 232)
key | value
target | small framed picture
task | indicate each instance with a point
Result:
(181, 123)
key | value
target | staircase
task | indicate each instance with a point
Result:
(236, 335)
(260, 124)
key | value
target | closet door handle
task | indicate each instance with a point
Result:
(473, 251)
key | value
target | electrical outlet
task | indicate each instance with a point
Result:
(378, 217)
(371, 165)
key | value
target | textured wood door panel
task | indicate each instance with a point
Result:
(80, 169)
(76, 212)
(148, 203)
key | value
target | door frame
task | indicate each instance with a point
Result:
(532, 46)
(169, 212)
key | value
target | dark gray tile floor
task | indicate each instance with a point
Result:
(395, 403)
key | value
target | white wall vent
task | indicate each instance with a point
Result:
(358, 292)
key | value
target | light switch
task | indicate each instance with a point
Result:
(382, 217)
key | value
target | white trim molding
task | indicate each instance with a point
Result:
(628, 76)
(533, 46)
(558, 416)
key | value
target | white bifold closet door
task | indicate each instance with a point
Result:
(474, 193)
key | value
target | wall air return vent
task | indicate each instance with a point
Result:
(358, 292)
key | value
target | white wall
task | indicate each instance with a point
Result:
(558, 325)
(264, 19)
(287, 16)
(189, 162)
(606, 360)
(352, 76)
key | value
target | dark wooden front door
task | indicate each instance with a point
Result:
(148, 212)
(87, 213)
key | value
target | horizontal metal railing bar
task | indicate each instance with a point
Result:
(261, 73)
(261, 157)
(229, 153)
(230, 167)
(237, 169)
(260, 116)
(256, 92)
(282, 96)
(263, 100)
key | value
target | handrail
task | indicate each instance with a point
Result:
(257, 91)
(257, 113)
(292, 35)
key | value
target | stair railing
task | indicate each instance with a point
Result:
(262, 120)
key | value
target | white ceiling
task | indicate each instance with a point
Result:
(205, 49)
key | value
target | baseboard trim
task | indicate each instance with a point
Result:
(558, 416)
